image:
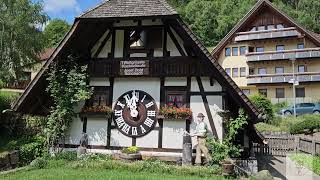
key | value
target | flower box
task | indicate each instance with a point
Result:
(103, 111)
(175, 114)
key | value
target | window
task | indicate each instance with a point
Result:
(251, 49)
(235, 72)
(251, 71)
(259, 49)
(176, 99)
(262, 71)
(261, 28)
(243, 50)
(300, 92)
(246, 91)
(100, 97)
(228, 70)
(228, 52)
(235, 51)
(263, 92)
(280, 48)
(280, 93)
(137, 39)
(243, 72)
(270, 27)
(300, 46)
(280, 26)
(302, 68)
(279, 70)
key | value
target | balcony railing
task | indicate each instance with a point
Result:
(284, 55)
(267, 34)
(170, 66)
(282, 78)
(17, 85)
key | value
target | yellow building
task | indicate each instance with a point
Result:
(262, 50)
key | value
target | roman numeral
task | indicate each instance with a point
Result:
(118, 112)
(120, 121)
(127, 98)
(126, 128)
(148, 122)
(149, 104)
(142, 129)
(120, 104)
(144, 97)
(137, 95)
(134, 131)
(151, 113)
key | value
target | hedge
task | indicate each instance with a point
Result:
(309, 125)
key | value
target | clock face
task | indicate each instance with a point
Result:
(135, 113)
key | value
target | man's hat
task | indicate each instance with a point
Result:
(200, 115)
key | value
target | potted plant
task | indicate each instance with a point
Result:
(227, 166)
(174, 113)
(95, 110)
(131, 153)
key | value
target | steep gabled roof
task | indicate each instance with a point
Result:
(256, 9)
(130, 8)
(101, 12)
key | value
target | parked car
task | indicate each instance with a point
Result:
(302, 108)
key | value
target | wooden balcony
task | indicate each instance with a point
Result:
(284, 55)
(267, 34)
(283, 78)
(170, 66)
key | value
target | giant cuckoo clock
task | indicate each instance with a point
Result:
(135, 113)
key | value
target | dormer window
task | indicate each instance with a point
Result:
(138, 39)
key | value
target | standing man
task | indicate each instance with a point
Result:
(201, 134)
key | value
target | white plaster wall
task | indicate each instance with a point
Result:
(99, 82)
(138, 55)
(158, 52)
(119, 44)
(173, 134)
(178, 38)
(207, 87)
(97, 131)
(197, 106)
(175, 81)
(106, 49)
(74, 133)
(172, 47)
(118, 139)
(194, 85)
(148, 85)
(148, 141)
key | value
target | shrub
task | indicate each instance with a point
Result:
(32, 150)
(279, 124)
(278, 106)
(39, 163)
(130, 150)
(67, 155)
(264, 105)
(7, 98)
(309, 125)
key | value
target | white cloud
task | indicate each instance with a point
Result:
(60, 5)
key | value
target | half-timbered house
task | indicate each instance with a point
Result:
(141, 57)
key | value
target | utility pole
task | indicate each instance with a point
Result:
(294, 84)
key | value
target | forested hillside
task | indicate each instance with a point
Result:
(211, 20)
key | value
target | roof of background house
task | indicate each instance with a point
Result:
(252, 14)
(45, 55)
(130, 8)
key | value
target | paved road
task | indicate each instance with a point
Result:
(285, 168)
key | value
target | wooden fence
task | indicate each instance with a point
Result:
(281, 144)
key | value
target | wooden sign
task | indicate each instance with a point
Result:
(134, 68)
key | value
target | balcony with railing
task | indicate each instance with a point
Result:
(267, 34)
(283, 78)
(283, 55)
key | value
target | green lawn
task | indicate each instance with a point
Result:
(77, 174)
(308, 161)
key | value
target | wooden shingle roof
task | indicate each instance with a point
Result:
(130, 8)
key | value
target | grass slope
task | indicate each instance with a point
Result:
(77, 174)
(308, 161)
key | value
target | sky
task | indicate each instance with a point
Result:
(67, 9)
